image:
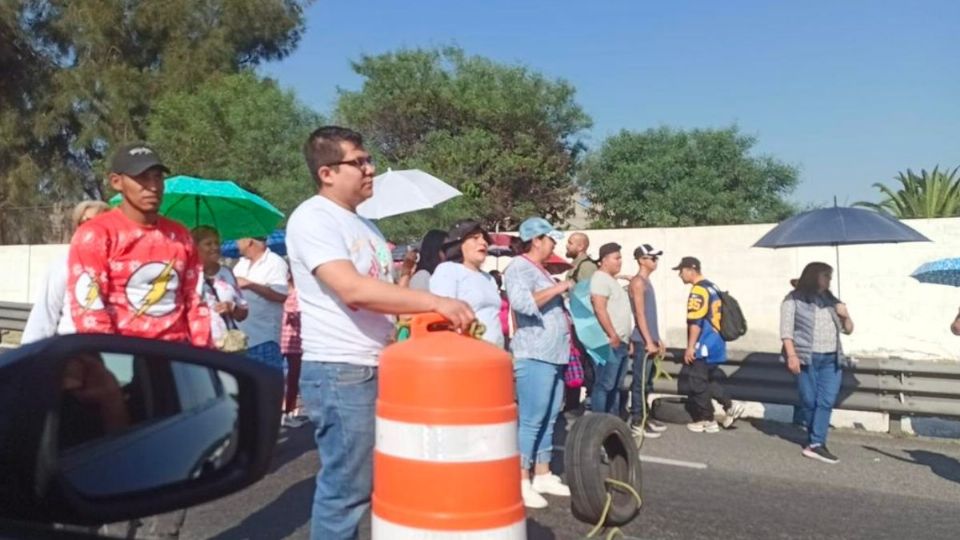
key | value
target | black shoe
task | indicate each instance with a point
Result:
(820, 453)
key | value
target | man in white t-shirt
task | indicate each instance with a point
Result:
(262, 275)
(342, 271)
(612, 306)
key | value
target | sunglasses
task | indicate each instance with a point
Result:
(653, 258)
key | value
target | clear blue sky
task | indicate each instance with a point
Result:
(850, 91)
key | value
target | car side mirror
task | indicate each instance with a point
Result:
(97, 428)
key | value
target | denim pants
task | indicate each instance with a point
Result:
(606, 386)
(539, 400)
(819, 384)
(267, 353)
(642, 364)
(340, 399)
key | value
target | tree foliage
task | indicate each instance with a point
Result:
(504, 135)
(86, 75)
(666, 177)
(933, 194)
(238, 127)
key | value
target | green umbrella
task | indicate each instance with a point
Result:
(221, 204)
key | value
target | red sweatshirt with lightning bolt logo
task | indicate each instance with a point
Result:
(136, 280)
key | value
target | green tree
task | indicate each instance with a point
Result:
(928, 195)
(667, 178)
(237, 127)
(505, 136)
(89, 72)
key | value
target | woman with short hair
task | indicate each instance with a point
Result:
(218, 287)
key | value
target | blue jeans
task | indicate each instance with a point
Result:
(539, 400)
(642, 364)
(341, 401)
(819, 384)
(267, 353)
(606, 384)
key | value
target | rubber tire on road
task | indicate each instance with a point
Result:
(600, 446)
(671, 410)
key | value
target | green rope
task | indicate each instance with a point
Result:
(402, 329)
(659, 372)
(606, 507)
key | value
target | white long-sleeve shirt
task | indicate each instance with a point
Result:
(51, 310)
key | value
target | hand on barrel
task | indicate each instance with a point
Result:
(457, 312)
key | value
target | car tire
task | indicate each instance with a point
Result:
(672, 411)
(599, 446)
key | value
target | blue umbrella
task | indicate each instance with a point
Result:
(277, 242)
(942, 272)
(839, 226)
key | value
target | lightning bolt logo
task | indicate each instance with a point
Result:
(157, 290)
(87, 293)
(93, 294)
(149, 289)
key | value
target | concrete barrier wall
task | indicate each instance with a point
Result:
(894, 314)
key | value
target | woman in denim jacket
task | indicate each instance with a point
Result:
(811, 321)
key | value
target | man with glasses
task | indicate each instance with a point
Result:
(342, 270)
(646, 342)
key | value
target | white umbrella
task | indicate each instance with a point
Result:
(399, 192)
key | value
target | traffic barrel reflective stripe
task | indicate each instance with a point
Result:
(446, 462)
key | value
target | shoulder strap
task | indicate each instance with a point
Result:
(231, 324)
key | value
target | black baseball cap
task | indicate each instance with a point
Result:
(646, 250)
(607, 249)
(132, 159)
(688, 262)
(463, 229)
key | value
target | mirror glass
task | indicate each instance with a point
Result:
(129, 423)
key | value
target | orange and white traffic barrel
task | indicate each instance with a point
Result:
(446, 464)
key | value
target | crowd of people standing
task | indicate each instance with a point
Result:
(325, 314)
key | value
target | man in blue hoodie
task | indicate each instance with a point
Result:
(706, 350)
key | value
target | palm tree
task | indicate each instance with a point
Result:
(928, 195)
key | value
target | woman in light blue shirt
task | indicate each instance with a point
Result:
(460, 276)
(541, 348)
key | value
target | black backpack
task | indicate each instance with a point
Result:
(732, 322)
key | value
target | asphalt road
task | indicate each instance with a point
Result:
(749, 482)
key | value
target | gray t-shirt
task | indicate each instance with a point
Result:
(420, 281)
(618, 302)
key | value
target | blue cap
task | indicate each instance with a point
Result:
(537, 226)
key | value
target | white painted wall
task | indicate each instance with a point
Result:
(894, 314)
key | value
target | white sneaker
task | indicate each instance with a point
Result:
(704, 426)
(531, 499)
(656, 425)
(735, 411)
(550, 484)
(292, 421)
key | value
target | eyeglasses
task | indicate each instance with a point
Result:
(359, 162)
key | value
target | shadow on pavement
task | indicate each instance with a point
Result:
(945, 467)
(789, 432)
(292, 444)
(279, 519)
(536, 531)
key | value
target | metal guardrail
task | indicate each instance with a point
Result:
(13, 315)
(891, 385)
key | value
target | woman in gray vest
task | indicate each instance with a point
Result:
(811, 320)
